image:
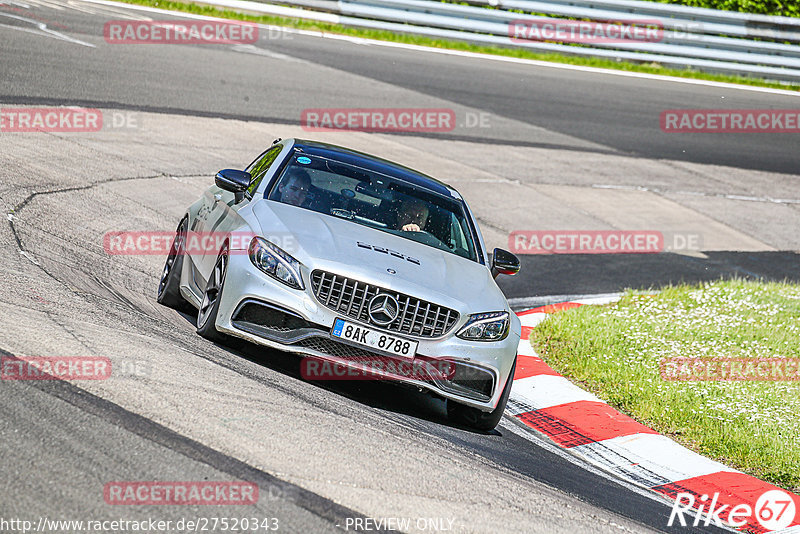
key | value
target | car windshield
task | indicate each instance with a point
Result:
(376, 200)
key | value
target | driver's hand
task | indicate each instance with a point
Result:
(411, 228)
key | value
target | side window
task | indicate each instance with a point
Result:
(459, 243)
(260, 168)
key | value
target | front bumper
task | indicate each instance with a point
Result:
(260, 309)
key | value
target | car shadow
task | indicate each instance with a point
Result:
(417, 408)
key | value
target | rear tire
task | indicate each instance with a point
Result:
(209, 307)
(478, 419)
(169, 290)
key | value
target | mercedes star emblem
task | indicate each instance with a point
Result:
(383, 309)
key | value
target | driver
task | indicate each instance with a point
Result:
(412, 215)
(294, 187)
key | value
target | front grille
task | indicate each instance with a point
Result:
(408, 369)
(339, 350)
(351, 298)
(453, 376)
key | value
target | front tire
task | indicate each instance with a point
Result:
(169, 290)
(478, 419)
(209, 307)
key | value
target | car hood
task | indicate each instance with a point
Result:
(326, 242)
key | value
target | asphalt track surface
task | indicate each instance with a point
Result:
(619, 113)
(320, 453)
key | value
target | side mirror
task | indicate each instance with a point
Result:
(234, 181)
(504, 262)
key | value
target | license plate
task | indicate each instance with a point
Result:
(374, 339)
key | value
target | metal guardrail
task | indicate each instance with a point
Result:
(732, 22)
(699, 38)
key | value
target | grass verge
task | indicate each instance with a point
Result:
(649, 68)
(614, 351)
(762, 7)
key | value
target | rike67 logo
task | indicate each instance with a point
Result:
(774, 510)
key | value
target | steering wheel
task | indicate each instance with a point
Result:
(423, 236)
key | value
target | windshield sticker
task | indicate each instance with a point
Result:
(303, 160)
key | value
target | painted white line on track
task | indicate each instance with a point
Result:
(104, 11)
(41, 29)
(746, 198)
(250, 49)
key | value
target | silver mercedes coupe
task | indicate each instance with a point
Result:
(357, 264)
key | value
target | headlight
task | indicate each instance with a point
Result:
(275, 262)
(485, 327)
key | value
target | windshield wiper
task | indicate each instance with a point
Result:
(344, 214)
(351, 216)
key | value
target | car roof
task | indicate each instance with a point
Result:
(373, 163)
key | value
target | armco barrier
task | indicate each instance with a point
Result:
(698, 38)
